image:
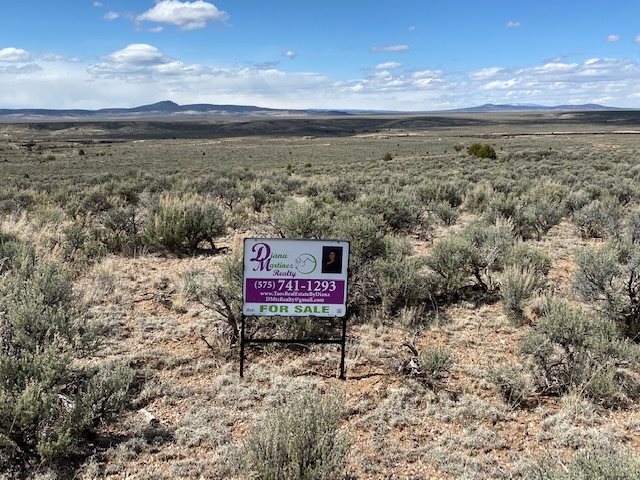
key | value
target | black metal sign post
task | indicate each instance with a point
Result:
(342, 341)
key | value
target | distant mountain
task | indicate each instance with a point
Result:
(528, 107)
(168, 110)
(157, 110)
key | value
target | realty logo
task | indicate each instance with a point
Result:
(263, 257)
(306, 263)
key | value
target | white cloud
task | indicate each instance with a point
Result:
(500, 84)
(185, 15)
(19, 69)
(98, 4)
(290, 54)
(390, 48)
(485, 73)
(52, 57)
(111, 16)
(412, 28)
(613, 38)
(138, 54)
(157, 29)
(596, 80)
(142, 73)
(637, 39)
(388, 65)
(11, 54)
(513, 24)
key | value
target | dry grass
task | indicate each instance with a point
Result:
(398, 426)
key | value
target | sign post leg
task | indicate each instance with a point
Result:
(344, 347)
(242, 347)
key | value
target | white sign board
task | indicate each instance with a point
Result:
(295, 277)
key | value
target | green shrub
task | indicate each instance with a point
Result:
(489, 244)
(263, 195)
(479, 197)
(512, 384)
(517, 287)
(302, 220)
(47, 407)
(434, 362)
(364, 233)
(609, 279)
(600, 218)
(344, 190)
(300, 440)
(633, 226)
(122, 228)
(221, 293)
(445, 212)
(400, 282)
(401, 213)
(526, 256)
(589, 465)
(572, 349)
(576, 200)
(482, 150)
(179, 224)
(451, 259)
(451, 192)
(542, 207)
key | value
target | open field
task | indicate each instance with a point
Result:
(496, 300)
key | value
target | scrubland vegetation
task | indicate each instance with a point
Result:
(494, 299)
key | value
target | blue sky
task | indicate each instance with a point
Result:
(402, 54)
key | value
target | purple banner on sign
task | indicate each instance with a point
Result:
(259, 290)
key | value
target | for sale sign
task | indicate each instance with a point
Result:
(295, 277)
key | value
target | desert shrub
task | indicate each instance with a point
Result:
(573, 349)
(609, 279)
(624, 191)
(542, 208)
(576, 200)
(364, 233)
(511, 382)
(479, 197)
(633, 226)
(517, 286)
(221, 293)
(489, 244)
(13, 252)
(122, 228)
(344, 190)
(80, 242)
(225, 188)
(300, 440)
(91, 202)
(450, 259)
(262, 195)
(179, 224)
(387, 156)
(400, 212)
(501, 205)
(591, 465)
(400, 282)
(600, 218)
(482, 150)
(436, 191)
(445, 212)
(433, 362)
(526, 256)
(46, 407)
(302, 220)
